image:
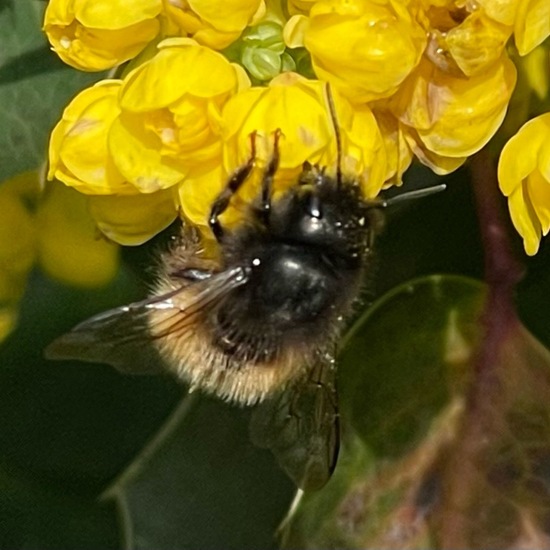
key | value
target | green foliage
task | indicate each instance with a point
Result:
(392, 397)
(34, 87)
(93, 459)
(436, 454)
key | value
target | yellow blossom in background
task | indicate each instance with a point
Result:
(70, 248)
(51, 229)
(213, 24)
(524, 177)
(17, 246)
(364, 49)
(93, 35)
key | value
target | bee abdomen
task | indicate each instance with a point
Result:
(244, 344)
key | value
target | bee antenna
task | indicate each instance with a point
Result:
(416, 194)
(334, 119)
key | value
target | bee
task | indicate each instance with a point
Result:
(258, 321)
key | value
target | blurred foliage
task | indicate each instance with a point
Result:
(426, 463)
(93, 459)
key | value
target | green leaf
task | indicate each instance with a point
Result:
(403, 363)
(452, 443)
(66, 429)
(34, 87)
(200, 483)
(393, 374)
(65, 521)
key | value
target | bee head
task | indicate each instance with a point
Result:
(322, 212)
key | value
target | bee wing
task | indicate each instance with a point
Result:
(121, 337)
(301, 427)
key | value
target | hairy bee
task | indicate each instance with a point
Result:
(258, 322)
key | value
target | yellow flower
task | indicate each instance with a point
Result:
(298, 108)
(80, 158)
(536, 66)
(78, 152)
(299, 6)
(171, 105)
(398, 153)
(196, 195)
(532, 24)
(476, 37)
(70, 248)
(93, 35)
(502, 11)
(453, 116)
(469, 47)
(364, 49)
(131, 220)
(439, 164)
(529, 20)
(213, 24)
(364, 151)
(130, 141)
(17, 246)
(52, 229)
(524, 177)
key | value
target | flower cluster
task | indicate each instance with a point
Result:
(424, 79)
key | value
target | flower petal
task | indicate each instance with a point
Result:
(532, 25)
(503, 11)
(133, 219)
(539, 193)
(226, 16)
(180, 67)
(524, 219)
(477, 43)
(455, 117)
(137, 155)
(520, 156)
(378, 45)
(114, 14)
(114, 40)
(78, 150)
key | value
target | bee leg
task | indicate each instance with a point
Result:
(267, 180)
(235, 181)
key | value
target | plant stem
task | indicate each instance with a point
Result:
(483, 417)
